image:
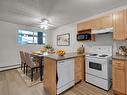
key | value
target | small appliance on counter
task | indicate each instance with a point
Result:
(80, 50)
(122, 51)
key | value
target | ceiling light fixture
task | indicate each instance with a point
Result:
(45, 24)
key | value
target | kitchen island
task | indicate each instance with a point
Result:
(55, 75)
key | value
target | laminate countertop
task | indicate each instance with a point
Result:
(119, 57)
(66, 56)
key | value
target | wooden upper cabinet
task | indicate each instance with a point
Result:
(84, 26)
(102, 22)
(120, 25)
(97, 23)
(107, 21)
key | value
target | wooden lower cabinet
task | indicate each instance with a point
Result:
(119, 77)
(79, 69)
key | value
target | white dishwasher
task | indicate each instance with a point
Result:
(65, 73)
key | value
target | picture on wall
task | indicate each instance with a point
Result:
(63, 39)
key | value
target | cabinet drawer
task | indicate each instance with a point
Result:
(119, 67)
(118, 63)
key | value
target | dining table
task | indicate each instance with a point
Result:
(39, 57)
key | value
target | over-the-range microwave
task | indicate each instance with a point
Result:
(84, 36)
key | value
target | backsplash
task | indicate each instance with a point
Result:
(101, 40)
(117, 44)
(105, 40)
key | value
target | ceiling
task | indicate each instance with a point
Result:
(59, 12)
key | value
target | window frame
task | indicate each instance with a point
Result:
(33, 36)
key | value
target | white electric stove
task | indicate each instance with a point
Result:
(98, 66)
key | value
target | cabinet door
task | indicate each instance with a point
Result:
(80, 26)
(119, 23)
(96, 23)
(107, 21)
(126, 75)
(79, 69)
(118, 76)
(87, 25)
(84, 25)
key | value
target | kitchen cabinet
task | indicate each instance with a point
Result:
(59, 70)
(120, 25)
(117, 20)
(79, 69)
(97, 23)
(119, 77)
(50, 76)
(106, 21)
(84, 26)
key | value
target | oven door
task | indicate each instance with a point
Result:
(97, 67)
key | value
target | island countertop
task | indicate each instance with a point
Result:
(66, 56)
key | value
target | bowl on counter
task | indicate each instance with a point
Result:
(60, 52)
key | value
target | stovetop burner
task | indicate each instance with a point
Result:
(103, 55)
(98, 55)
(93, 54)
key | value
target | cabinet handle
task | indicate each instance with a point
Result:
(118, 63)
(120, 69)
(61, 62)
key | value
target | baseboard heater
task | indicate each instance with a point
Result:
(9, 67)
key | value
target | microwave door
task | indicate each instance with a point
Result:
(83, 37)
(80, 37)
(89, 36)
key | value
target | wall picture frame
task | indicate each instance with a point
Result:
(63, 39)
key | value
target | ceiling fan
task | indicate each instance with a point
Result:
(44, 24)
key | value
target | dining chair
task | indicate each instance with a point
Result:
(23, 62)
(40, 59)
(33, 65)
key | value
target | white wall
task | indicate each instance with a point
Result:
(66, 29)
(9, 48)
(105, 39)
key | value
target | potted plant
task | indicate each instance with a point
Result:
(48, 48)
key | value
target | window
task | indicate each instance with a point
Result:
(29, 37)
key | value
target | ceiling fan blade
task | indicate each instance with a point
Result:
(51, 25)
